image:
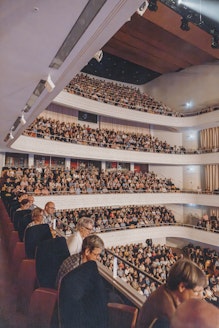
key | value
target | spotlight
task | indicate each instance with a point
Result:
(153, 5)
(184, 24)
(22, 120)
(11, 137)
(141, 10)
(214, 42)
(98, 56)
(49, 85)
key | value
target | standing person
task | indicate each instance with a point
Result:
(186, 280)
(84, 227)
(48, 213)
(92, 247)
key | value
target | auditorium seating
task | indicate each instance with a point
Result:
(33, 236)
(26, 283)
(42, 310)
(49, 256)
(122, 315)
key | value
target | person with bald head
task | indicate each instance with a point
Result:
(195, 313)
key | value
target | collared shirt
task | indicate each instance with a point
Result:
(68, 265)
(47, 218)
(74, 243)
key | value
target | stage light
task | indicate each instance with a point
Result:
(153, 5)
(214, 42)
(98, 56)
(184, 24)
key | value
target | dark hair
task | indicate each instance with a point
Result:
(187, 272)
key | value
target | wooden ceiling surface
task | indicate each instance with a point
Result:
(156, 42)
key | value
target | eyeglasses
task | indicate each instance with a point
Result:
(89, 229)
(198, 292)
(52, 208)
(96, 254)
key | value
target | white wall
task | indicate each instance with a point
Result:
(174, 172)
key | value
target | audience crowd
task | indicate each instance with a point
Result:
(123, 96)
(209, 222)
(109, 218)
(51, 129)
(156, 261)
(82, 180)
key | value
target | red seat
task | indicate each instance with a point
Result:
(122, 315)
(14, 238)
(17, 257)
(42, 309)
(26, 283)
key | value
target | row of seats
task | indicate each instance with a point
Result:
(34, 268)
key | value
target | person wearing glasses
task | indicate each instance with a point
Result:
(82, 294)
(92, 247)
(185, 280)
(84, 228)
(48, 213)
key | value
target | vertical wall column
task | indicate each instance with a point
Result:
(67, 163)
(30, 160)
(103, 165)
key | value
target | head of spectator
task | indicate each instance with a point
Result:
(24, 204)
(85, 226)
(37, 216)
(186, 280)
(195, 313)
(92, 247)
(49, 208)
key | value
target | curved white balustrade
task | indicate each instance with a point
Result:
(140, 235)
(198, 122)
(64, 149)
(99, 200)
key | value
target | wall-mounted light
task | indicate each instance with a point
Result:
(49, 85)
(141, 10)
(11, 137)
(22, 119)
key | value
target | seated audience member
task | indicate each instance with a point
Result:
(23, 210)
(37, 217)
(82, 299)
(195, 313)
(83, 228)
(92, 247)
(186, 280)
(48, 213)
